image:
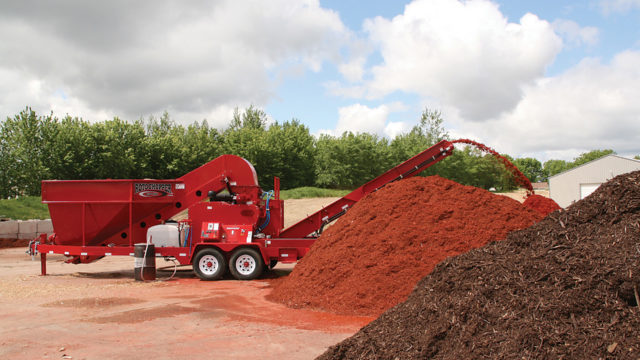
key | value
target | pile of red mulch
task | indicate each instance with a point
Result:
(541, 204)
(371, 259)
(567, 287)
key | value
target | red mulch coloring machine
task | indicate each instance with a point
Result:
(232, 223)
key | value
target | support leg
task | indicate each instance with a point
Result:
(43, 264)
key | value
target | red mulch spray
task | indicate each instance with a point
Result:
(539, 203)
(518, 176)
(371, 259)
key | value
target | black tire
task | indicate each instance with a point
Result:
(246, 264)
(209, 264)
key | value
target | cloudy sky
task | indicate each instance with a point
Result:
(541, 78)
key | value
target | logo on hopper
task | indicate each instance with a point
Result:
(153, 189)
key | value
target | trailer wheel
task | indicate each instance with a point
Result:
(209, 264)
(246, 264)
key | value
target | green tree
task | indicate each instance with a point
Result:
(590, 156)
(251, 117)
(481, 170)
(486, 171)
(22, 141)
(71, 148)
(247, 142)
(503, 178)
(163, 156)
(350, 160)
(288, 152)
(637, 157)
(7, 161)
(118, 150)
(427, 133)
(284, 150)
(531, 168)
(432, 126)
(466, 166)
(553, 167)
(199, 144)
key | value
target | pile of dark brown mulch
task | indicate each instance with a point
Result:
(567, 287)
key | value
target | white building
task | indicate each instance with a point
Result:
(574, 184)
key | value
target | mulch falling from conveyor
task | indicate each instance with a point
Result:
(567, 287)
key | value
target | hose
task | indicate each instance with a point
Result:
(268, 194)
(187, 232)
(144, 262)
(144, 259)
(175, 269)
(190, 238)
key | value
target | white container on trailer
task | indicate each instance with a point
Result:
(164, 235)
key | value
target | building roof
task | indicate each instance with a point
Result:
(593, 161)
(540, 185)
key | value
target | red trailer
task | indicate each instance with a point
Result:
(232, 223)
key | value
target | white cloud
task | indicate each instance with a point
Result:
(576, 35)
(353, 70)
(359, 118)
(619, 6)
(591, 106)
(358, 50)
(486, 74)
(395, 128)
(134, 59)
(461, 53)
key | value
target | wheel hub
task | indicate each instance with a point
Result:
(208, 264)
(245, 264)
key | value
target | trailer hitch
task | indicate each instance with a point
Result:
(32, 250)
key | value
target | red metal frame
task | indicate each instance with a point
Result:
(115, 214)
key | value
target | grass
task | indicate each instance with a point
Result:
(311, 192)
(23, 208)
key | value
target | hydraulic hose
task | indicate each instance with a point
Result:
(186, 236)
(268, 194)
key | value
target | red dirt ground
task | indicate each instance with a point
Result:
(97, 311)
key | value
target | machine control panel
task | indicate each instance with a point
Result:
(211, 231)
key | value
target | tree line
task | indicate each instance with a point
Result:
(36, 147)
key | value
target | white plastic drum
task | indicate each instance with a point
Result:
(163, 235)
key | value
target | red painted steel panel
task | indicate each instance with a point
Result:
(118, 212)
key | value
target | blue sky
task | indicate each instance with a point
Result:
(547, 79)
